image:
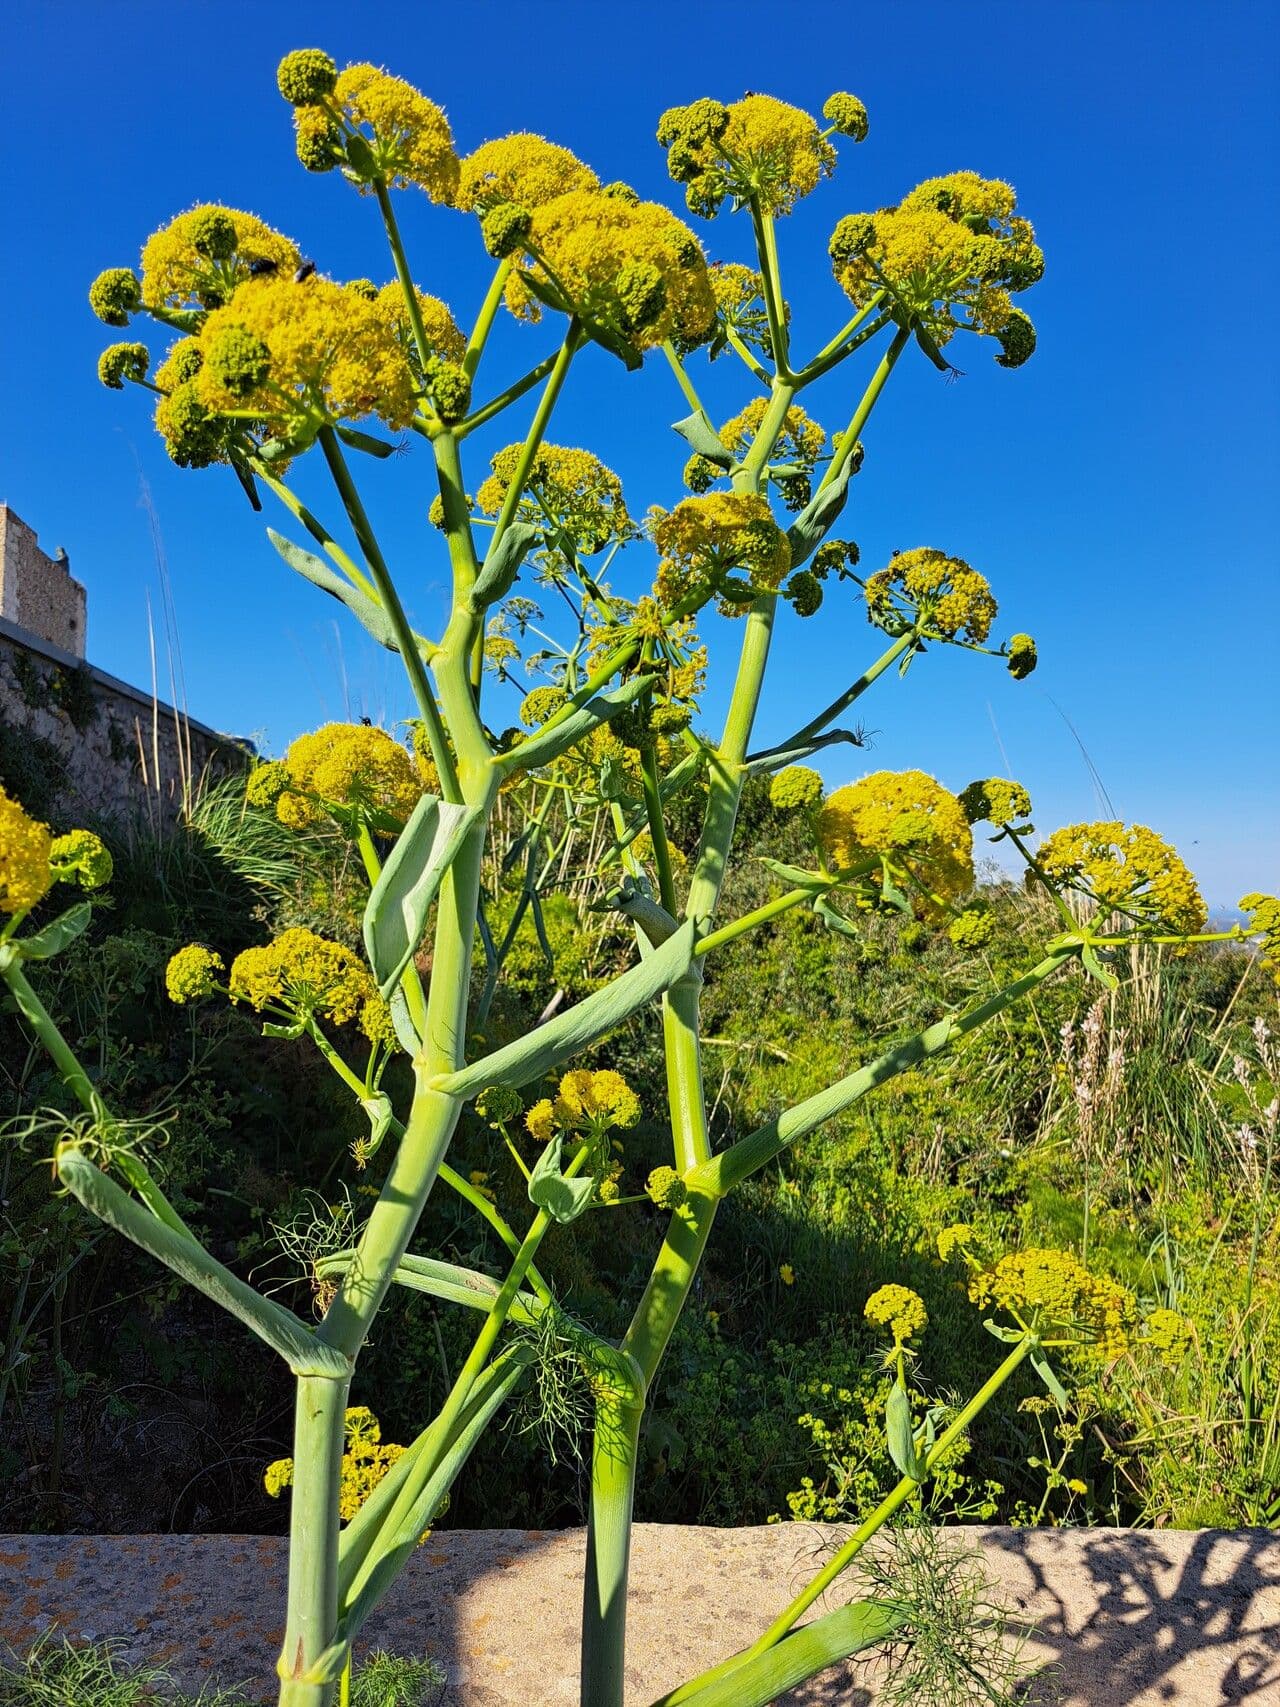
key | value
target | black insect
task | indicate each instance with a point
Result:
(261, 268)
(305, 271)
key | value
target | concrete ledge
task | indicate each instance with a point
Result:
(1124, 1618)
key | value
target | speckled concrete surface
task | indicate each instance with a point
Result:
(1123, 1618)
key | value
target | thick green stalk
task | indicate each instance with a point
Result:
(879, 379)
(890, 656)
(614, 1451)
(308, 1666)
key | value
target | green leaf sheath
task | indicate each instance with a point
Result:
(395, 916)
(538, 1051)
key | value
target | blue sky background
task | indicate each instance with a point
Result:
(1119, 491)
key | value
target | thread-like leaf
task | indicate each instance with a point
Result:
(396, 913)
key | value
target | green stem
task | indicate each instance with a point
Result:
(870, 397)
(685, 383)
(573, 341)
(652, 790)
(408, 289)
(614, 1453)
(484, 320)
(749, 921)
(840, 1561)
(390, 599)
(308, 1665)
(887, 658)
(510, 394)
(774, 305)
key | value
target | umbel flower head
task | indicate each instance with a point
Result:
(193, 973)
(797, 447)
(294, 354)
(1128, 868)
(1054, 1293)
(948, 256)
(119, 362)
(521, 170)
(81, 857)
(996, 800)
(909, 820)
(708, 544)
(793, 787)
(384, 129)
(201, 258)
(568, 492)
(339, 770)
(25, 847)
(586, 1103)
(948, 599)
(631, 270)
(899, 1310)
(309, 976)
(365, 1461)
(1263, 912)
(758, 149)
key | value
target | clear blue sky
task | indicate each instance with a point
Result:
(1119, 491)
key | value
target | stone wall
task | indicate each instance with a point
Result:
(77, 744)
(38, 592)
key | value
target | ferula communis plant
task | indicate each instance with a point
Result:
(273, 360)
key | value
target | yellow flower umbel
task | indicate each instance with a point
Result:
(587, 1108)
(940, 595)
(81, 857)
(310, 977)
(365, 1462)
(25, 846)
(793, 787)
(1054, 1294)
(193, 973)
(899, 1310)
(379, 126)
(1263, 913)
(1127, 868)
(342, 770)
(909, 820)
(996, 800)
(757, 149)
(201, 258)
(521, 169)
(949, 256)
(568, 491)
(631, 270)
(295, 355)
(704, 541)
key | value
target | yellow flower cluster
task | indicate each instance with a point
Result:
(442, 333)
(702, 540)
(801, 439)
(365, 1462)
(344, 765)
(906, 816)
(631, 268)
(793, 787)
(201, 257)
(1169, 1335)
(899, 1310)
(665, 1188)
(587, 1101)
(959, 1236)
(1263, 912)
(1127, 867)
(25, 847)
(953, 243)
(757, 149)
(995, 800)
(81, 857)
(567, 489)
(524, 169)
(193, 973)
(407, 137)
(292, 353)
(974, 929)
(949, 599)
(309, 975)
(1053, 1290)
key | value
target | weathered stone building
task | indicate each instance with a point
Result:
(75, 743)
